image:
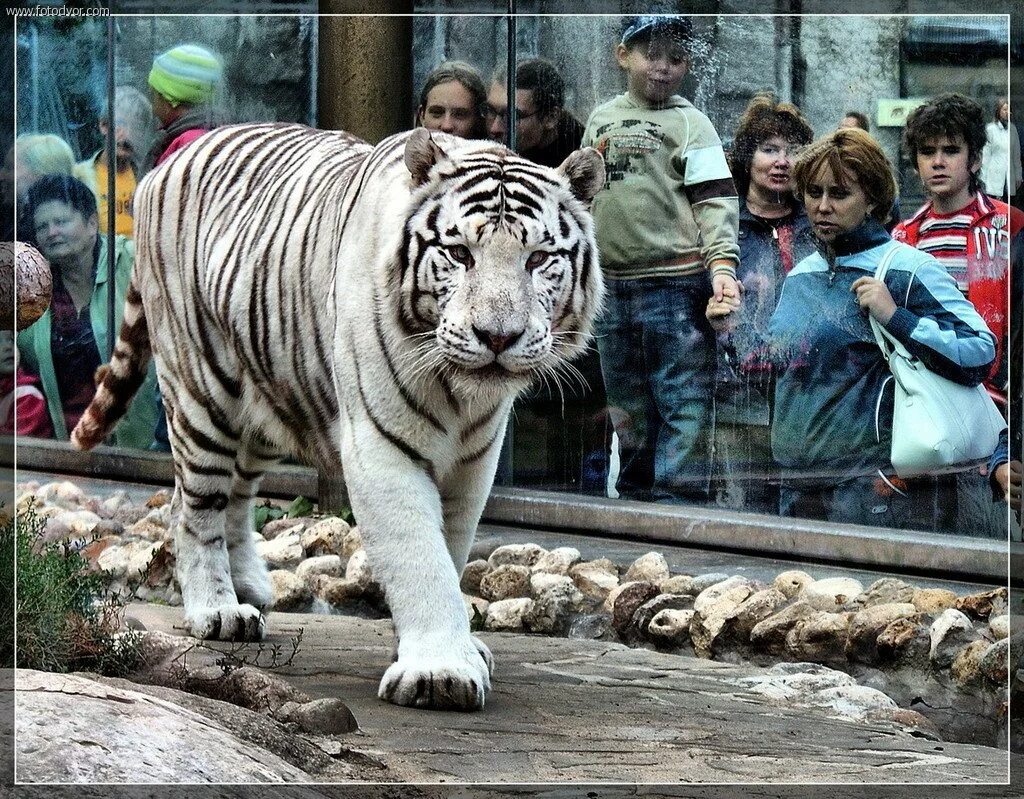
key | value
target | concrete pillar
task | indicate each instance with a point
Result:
(365, 72)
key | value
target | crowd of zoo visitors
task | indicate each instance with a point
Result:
(735, 361)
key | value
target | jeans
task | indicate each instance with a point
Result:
(658, 362)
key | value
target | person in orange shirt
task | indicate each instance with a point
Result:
(133, 130)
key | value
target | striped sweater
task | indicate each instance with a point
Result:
(668, 206)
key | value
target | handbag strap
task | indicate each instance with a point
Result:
(881, 334)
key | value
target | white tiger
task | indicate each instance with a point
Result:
(371, 308)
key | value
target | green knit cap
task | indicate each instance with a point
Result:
(186, 74)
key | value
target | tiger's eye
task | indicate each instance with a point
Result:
(460, 252)
(536, 259)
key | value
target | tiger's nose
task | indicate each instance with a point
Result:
(496, 341)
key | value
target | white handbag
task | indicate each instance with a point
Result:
(936, 423)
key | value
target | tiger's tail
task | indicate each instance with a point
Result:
(117, 381)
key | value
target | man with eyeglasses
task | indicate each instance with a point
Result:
(545, 132)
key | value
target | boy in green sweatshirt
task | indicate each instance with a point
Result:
(667, 223)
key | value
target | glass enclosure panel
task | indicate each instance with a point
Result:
(663, 407)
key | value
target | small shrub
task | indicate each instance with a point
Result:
(66, 619)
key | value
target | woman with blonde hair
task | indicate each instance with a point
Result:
(38, 154)
(832, 429)
(1000, 159)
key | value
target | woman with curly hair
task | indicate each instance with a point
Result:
(774, 234)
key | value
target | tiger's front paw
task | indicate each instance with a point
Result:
(441, 675)
(226, 623)
(251, 582)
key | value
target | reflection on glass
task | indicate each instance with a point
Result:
(699, 191)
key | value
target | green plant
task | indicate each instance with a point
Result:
(68, 619)
(268, 511)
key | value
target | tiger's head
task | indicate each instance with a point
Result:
(499, 262)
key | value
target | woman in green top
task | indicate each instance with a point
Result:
(66, 345)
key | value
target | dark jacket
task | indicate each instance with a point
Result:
(834, 395)
(744, 381)
(184, 129)
(567, 139)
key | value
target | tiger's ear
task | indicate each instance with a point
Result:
(585, 170)
(421, 153)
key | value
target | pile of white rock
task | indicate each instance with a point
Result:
(319, 565)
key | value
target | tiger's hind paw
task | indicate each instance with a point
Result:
(227, 623)
(455, 676)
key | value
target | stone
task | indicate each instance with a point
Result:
(148, 529)
(951, 631)
(554, 606)
(261, 690)
(994, 661)
(335, 590)
(820, 638)
(904, 641)
(792, 582)
(702, 582)
(795, 683)
(78, 522)
(74, 729)
(358, 569)
(278, 527)
(966, 665)
(710, 595)
(541, 581)
(283, 552)
(129, 560)
(770, 633)
(557, 561)
(507, 581)
(319, 564)
(601, 564)
(322, 717)
(110, 527)
(910, 722)
(714, 611)
(590, 626)
(933, 600)
(853, 701)
(159, 499)
(129, 514)
(830, 594)
(670, 627)
(757, 607)
(506, 615)
(999, 626)
(64, 494)
(677, 584)
(472, 575)
(629, 599)
(160, 515)
(326, 537)
(651, 568)
(595, 583)
(516, 555)
(112, 504)
(352, 542)
(981, 606)
(290, 591)
(867, 624)
(644, 614)
(475, 606)
(886, 591)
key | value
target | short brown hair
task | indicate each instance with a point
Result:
(465, 75)
(856, 151)
(952, 116)
(764, 118)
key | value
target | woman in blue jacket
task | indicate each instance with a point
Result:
(831, 433)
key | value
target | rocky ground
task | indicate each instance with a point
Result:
(928, 660)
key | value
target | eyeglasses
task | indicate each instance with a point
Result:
(490, 112)
(791, 151)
